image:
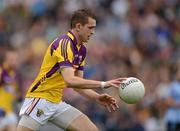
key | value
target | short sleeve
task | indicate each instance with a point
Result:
(61, 50)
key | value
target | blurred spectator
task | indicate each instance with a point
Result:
(173, 102)
(9, 91)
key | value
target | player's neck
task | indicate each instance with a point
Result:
(79, 42)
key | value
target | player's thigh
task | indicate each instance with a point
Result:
(64, 115)
(22, 128)
(27, 123)
(71, 119)
(82, 123)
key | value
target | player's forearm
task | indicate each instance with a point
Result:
(88, 93)
(80, 83)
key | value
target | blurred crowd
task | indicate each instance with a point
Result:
(136, 38)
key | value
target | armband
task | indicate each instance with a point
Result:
(103, 84)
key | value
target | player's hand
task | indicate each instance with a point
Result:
(108, 102)
(115, 83)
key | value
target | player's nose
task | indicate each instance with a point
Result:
(92, 31)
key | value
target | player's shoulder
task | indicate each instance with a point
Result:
(59, 40)
(64, 39)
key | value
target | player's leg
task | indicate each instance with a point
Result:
(22, 128)
(82, 123)
(71, 119)
(27, 123)
(35, 112)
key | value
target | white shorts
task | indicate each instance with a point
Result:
(43, 111)
(9, 119)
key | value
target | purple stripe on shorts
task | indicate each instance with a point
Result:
(33, 107)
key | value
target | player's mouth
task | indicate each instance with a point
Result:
(89, 37)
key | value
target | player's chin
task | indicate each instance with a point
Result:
(86, 41)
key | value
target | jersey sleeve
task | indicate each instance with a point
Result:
(61, 50)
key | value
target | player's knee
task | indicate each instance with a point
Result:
(83, 128)
(82, 123)
(22, 128)
(26, 123)
(93, 128)
(90, 126)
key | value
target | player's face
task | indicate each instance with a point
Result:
(12, 59)
(87, 30)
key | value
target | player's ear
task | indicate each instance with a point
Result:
(78, 27)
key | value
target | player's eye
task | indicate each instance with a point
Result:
(91, 27)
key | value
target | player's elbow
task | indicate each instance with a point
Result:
(69, 82)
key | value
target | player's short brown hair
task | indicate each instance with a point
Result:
(81, 16)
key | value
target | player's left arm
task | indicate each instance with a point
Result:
(104, 99)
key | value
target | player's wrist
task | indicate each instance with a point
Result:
(103, 84)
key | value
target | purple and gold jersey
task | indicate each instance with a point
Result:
(8, 88)
(62, 52)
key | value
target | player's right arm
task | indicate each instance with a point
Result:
(62, 51)
(80, 83)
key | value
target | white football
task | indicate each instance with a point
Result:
(131, 90)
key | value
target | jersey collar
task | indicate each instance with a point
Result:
(73, 37)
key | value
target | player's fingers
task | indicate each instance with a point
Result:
(109, 97)
(108, 108)
(121, 79)
(113, 107)
(117, 82)
(116, 105)
(114, 85)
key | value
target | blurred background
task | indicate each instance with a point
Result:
(136, 38)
